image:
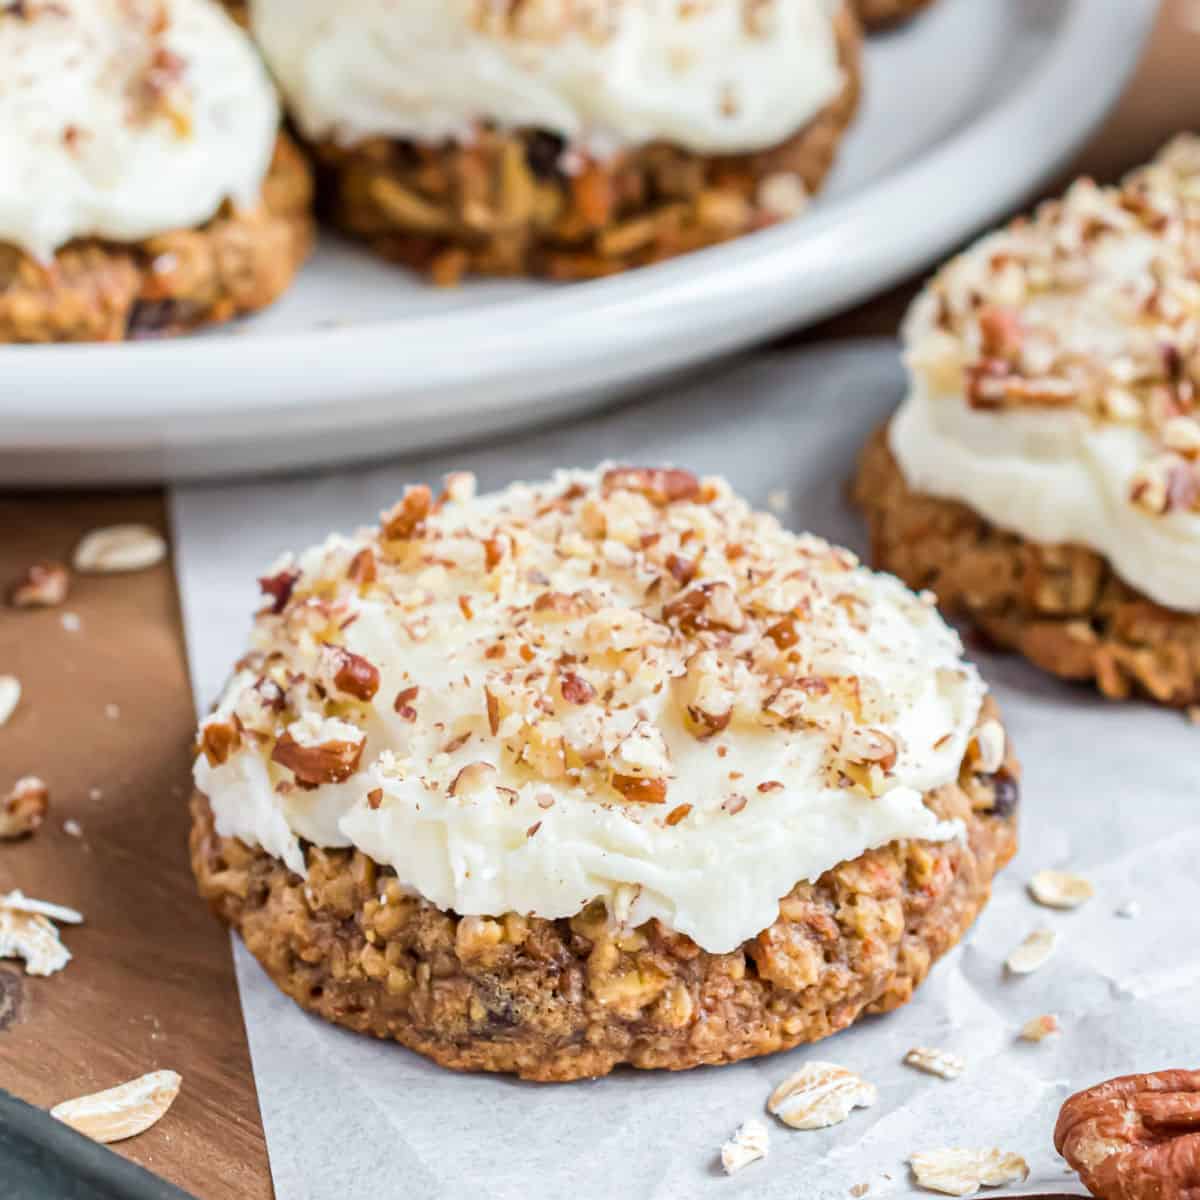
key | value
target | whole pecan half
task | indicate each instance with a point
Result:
(1136, 1137)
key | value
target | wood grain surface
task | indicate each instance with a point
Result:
(151, 984)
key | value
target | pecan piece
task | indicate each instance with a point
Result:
(362, 569)
(637, 790)
(708, 606)
(23, 810)
(279, 587)
(1136, 1137)
(406, 519)
(43, 585)
(353, 674)
(660, 486)
(575, 689)
(1000, 331)
(328, 762)
(219, 739)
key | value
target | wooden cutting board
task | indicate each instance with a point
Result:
(151, 983)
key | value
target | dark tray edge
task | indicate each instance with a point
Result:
(41, 1158)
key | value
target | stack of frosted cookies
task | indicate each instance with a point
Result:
(1043, 474)
(607, 769)
(145, 186)
(558, 140)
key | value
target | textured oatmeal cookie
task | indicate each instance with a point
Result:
(572, 998)
(521, 203)
(238, 262)
(518, 780)
(1062, 607)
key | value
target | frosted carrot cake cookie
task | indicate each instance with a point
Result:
(145, 187)
(562, 140)
(609, 769)
(1043, 474)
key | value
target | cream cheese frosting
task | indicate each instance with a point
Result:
(1054, 370)
(622, 684)
(605, 74)
(122, 119)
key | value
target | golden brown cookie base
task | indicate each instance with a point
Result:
(502, 206)
(568, 999)
(880, 14)
(1060, 606)
(97, 291)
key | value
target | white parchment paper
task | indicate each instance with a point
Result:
(1112, 791)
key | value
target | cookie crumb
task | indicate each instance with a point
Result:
(748, 1144)
(72, 828)
(1038, 1029)
(71, 622)
(935, 1062)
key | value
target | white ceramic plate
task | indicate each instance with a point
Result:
(966, 111)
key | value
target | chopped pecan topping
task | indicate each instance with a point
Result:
(328, 762)
(403, 704)
(660, 486)
(576, 690)
(405, 520)
(353, 674)
(220, 739)
(641, 791)
(706, 607)
(1000, 332)
(363, 568)
(279, 587)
